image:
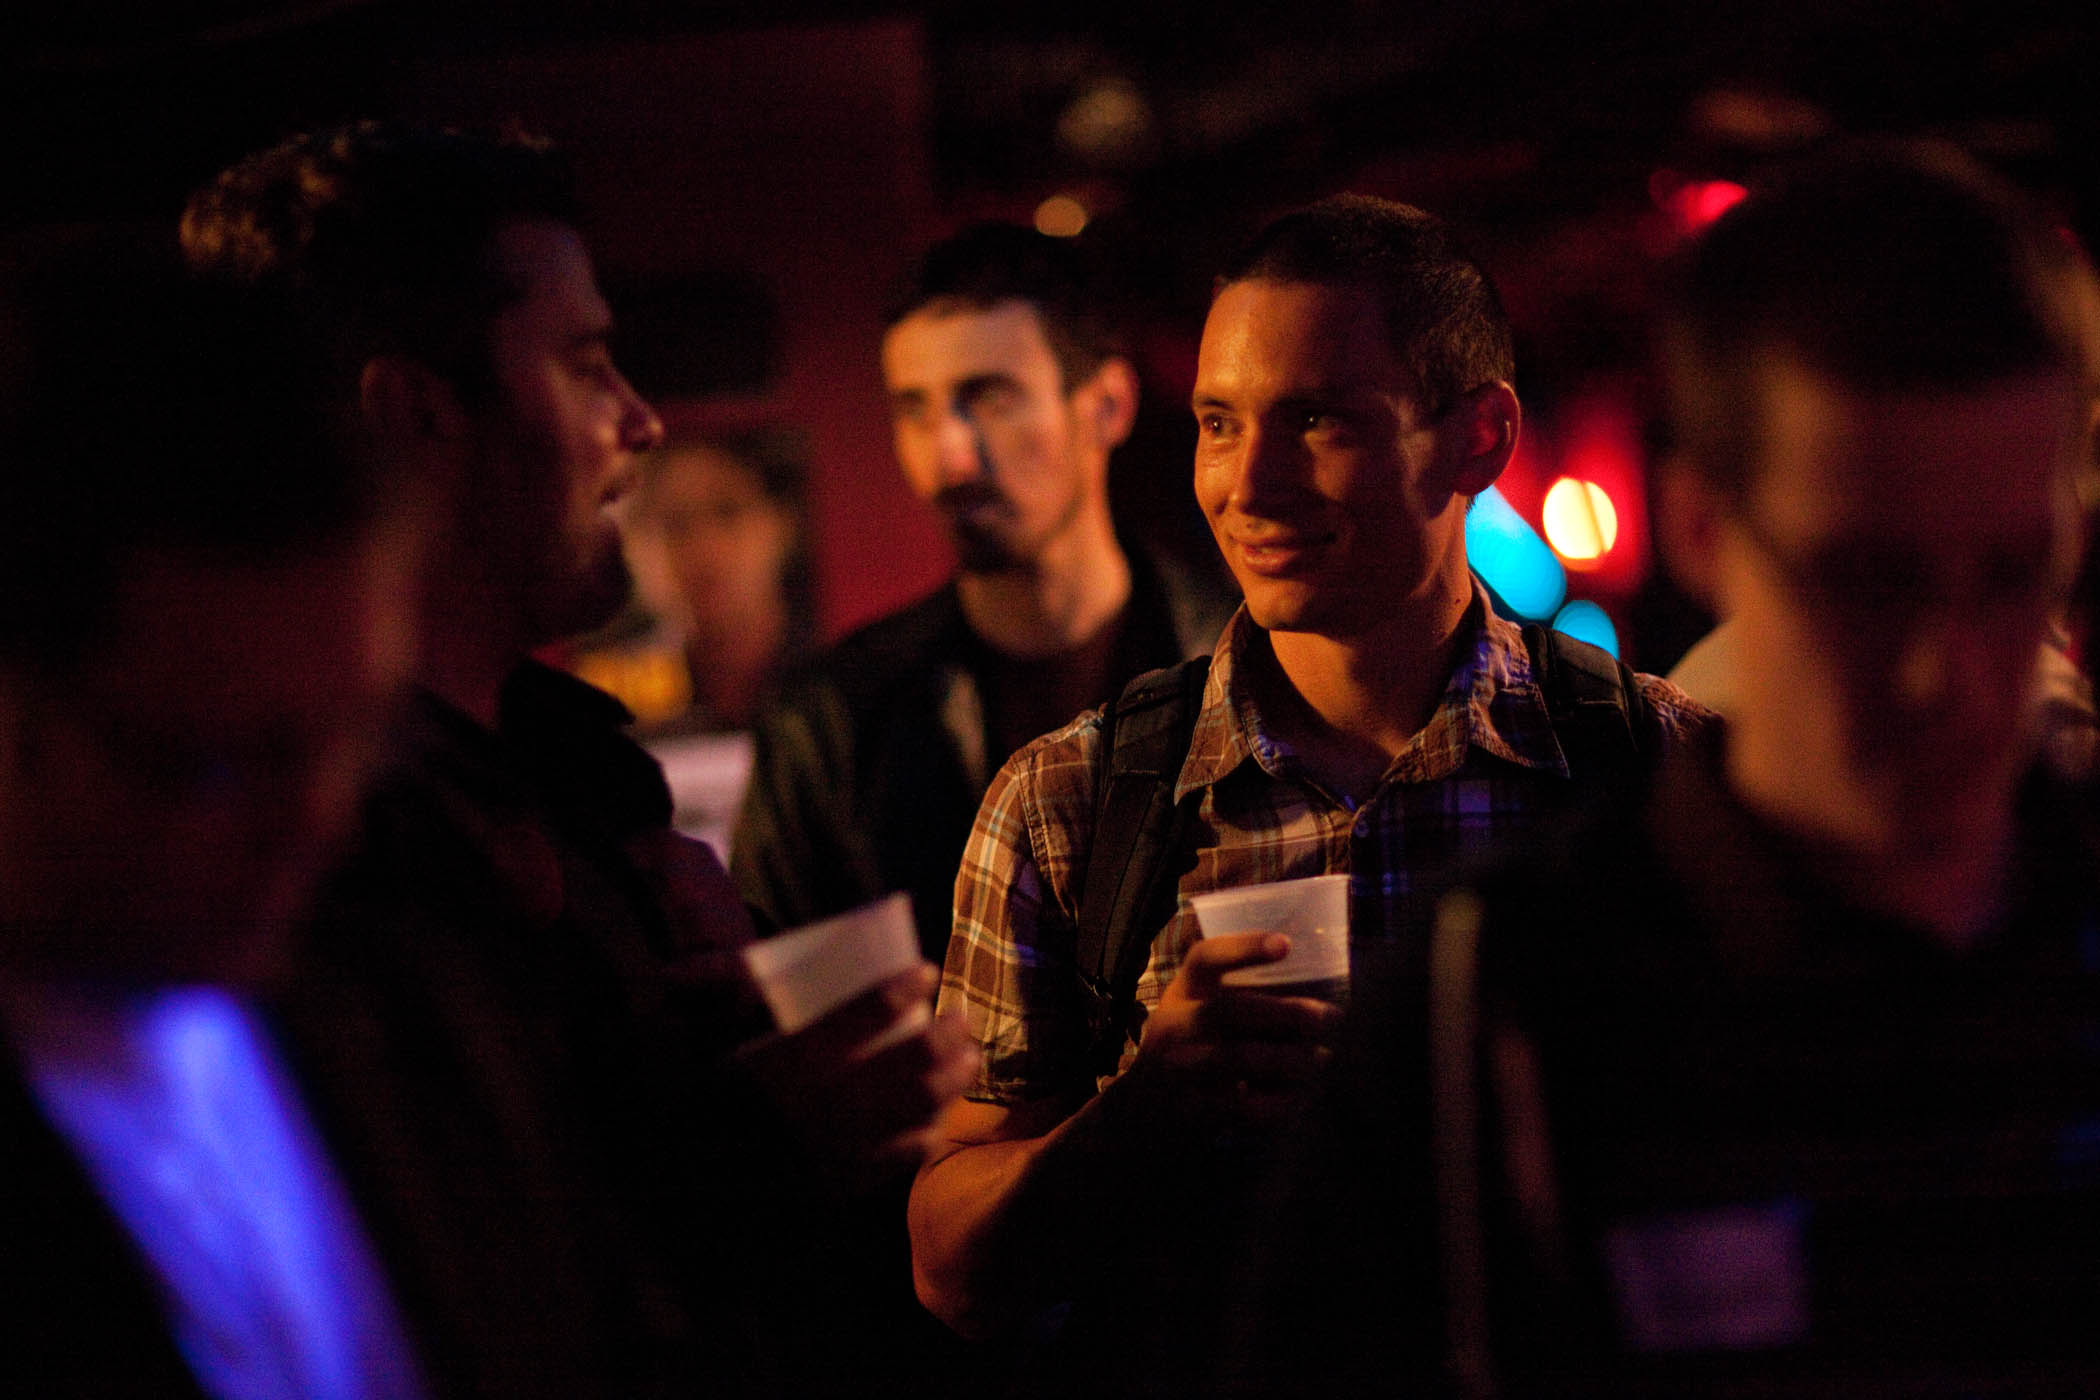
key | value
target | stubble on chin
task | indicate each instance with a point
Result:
(582, 596)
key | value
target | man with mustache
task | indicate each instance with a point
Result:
(1009, 389)
(1365, 712)
(1008, 392)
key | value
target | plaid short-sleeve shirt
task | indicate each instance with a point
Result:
(1486, 761)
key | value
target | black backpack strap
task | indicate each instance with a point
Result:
(1455, 1140)
(1138, 827)
(1598, 711)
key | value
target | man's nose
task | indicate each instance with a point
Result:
(640, 428)
(959, 451)
(1266, 470)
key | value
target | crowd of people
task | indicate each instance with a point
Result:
(371, 1031)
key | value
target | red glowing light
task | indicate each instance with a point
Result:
(1710, 199)
(1693, 204)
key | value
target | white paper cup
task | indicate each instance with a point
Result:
(1313, 911)
(810, 971)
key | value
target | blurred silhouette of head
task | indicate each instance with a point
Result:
(207, 588)
(1881, 374)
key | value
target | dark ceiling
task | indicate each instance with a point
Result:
(1176, 97)
(1538, 125)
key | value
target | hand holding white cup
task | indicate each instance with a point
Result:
(807, 972)
(1313, 912)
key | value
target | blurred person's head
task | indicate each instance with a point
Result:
(445, 273)
(716, 532)
(1881, 375)
(207, 594)
(1008, 390)
(1353, 393)
(716, 537)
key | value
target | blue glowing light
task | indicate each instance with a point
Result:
(186, 1118)
(1586, 622)
(1510, 558)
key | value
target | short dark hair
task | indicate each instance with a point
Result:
(141, 412)
(1443, 316)
(1885, 267)
(990, 263)
(387, 231)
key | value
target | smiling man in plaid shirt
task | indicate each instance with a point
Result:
(1366, 711)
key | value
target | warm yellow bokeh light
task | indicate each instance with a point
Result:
(1581, 523)
(1060, 216)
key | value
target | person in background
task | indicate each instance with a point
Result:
(530, 1005)
(717, 539)
(208, 598)
(1009, 388)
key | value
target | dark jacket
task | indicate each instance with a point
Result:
(871, 764)
(1700, 1126)
(568, 1184)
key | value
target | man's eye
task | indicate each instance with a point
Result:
(1213, 425)
(992, 401)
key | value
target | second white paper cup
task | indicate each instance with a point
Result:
(1313, 911)
(807, 972)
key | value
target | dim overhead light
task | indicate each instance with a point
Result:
(1060, 216)
(1108, 122)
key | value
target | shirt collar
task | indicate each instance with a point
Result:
(1492, 702)
(1506, 712)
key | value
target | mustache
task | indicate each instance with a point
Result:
(970, 496)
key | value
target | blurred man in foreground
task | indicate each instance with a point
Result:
(1781, 1078)
(207, 603)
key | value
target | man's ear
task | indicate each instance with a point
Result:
(406, 403)
(1687, 519)
(1112, 397)
(1483, 424)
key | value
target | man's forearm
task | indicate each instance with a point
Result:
(1003, 1229)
